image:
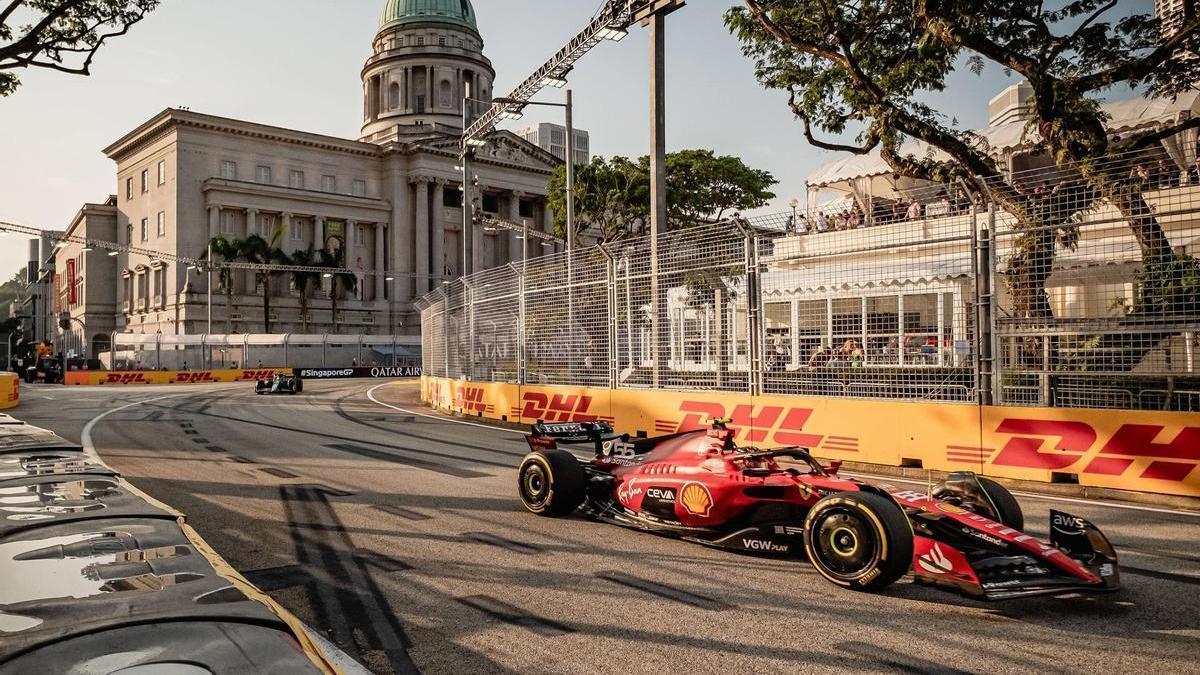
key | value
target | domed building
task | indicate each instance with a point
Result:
(388, 202)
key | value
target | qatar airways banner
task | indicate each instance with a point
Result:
(377, 372)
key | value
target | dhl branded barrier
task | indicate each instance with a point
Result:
(101, 377)
(10, 390)
(1124, 449)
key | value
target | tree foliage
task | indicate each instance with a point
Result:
(612, 197)
(866, 67)
(62, 35)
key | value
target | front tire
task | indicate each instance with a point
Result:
(858, 540)
(1008, 510)
(551, 482)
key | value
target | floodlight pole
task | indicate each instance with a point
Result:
(468, 216)
(658, 176)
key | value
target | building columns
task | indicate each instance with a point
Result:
(421, 228)
(402, 238)
(437, 243)
(251, 228)
(318, 233)
(380, 280)
(478, 252)
(514, 217)
(214, 221)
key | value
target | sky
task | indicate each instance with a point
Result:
(296, 64)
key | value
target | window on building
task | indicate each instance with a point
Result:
(145, 229)
(129, 233)
(296, 230)
(359, 188)
(263, 175)
(525, 209)
(491, 203)
(421, 42)
(558, 136)
(227, 224)
(229, 170)
(162, 172)
(145, 180)
(266, 227)
(162, 224)
(441, 41)
(452, 197)
(460, 43)
(328, 183)
(296, 179)
(128, 189)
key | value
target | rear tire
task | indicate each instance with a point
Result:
(1008, 509)
(858, 540)
(551, 482)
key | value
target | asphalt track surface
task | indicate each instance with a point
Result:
(399, 536)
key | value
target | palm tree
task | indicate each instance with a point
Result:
(341, 280)
(303, 282)
(258, 251)
(227, 250)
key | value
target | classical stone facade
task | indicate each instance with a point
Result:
(391, 198)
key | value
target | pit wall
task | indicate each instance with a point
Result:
(143, 377)
(10, 390)
(1146, 451)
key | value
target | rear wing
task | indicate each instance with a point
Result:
(543, 435)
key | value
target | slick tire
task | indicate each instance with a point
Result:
(858, 540)
(551, 482)
(1008, 509)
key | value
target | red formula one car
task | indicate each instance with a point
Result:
(700, 486)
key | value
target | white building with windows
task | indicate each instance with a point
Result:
(388, 200)
(553, 139)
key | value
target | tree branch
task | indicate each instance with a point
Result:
(1058, 49)
(871, 142)
(1140, 68)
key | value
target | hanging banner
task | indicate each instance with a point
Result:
(72, 298)
(334, 236)
(57, 293)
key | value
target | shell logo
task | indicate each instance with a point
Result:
(696, 499)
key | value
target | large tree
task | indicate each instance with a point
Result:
(867, 67)
(227, 251)
(259, 251)
(612, 197)
(304, 280)
(62, 35)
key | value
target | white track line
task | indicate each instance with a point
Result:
(1031, 495)
(85, 437)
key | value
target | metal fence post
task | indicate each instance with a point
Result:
(612, 354)
(985, 367)
(522, 350)
(470, 298)
(754, 329)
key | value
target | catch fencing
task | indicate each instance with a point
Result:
(1044, 293)
(141, 352)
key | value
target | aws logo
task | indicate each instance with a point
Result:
(556, 408)
(1056, 445)
(753, 424)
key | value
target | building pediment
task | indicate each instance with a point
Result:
(504, 148)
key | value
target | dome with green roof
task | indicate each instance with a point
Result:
(400, 12)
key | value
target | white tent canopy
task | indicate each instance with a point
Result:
(1124, 116)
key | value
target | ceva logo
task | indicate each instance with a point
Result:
(556, 408)
(753, 424)
(195, 378)
(1056, 445)
(125, 378)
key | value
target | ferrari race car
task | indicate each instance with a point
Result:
(702, 487)
(280, 384)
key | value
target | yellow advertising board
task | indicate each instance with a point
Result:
(1125, 449)
(10, 390)
(136, 377)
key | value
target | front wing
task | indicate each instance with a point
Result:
(996, 565)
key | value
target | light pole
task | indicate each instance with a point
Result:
(793, 226)
(569, 106)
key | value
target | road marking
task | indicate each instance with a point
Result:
(1049, 498)
(442, 418)
(85, 437)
